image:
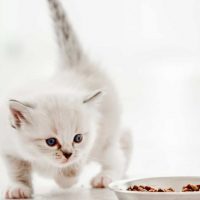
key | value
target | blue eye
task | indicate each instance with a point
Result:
(78, 138)
(51, 142)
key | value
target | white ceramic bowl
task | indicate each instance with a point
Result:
(119, 187)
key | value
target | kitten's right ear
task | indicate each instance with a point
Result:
(94, 96)
(20, 113)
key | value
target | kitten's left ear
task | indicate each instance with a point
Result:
(20, 113)
(94, 97)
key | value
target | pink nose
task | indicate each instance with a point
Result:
(67, 154)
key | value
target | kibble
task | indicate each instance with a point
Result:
(191, 188)
(142, 188)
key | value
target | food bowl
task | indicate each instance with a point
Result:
(120, 188)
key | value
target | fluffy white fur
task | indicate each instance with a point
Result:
(79, 99)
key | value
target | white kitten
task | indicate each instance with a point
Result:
(58, 125)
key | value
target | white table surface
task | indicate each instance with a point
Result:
(79, 194)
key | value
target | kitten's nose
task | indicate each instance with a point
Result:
(67, 154)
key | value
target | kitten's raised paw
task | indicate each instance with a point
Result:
(101, 181)
(18, 191)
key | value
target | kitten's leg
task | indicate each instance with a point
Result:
(20, 175)
(67, 177)
(114, 160)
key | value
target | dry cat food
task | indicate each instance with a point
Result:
(142, 188)
(191, 188)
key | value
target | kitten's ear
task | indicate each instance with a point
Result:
(20, 113)
(95, 96)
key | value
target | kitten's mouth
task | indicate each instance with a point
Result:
(64, 161)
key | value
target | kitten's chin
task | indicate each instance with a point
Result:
(64, 163)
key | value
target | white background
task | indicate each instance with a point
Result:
(151, 49)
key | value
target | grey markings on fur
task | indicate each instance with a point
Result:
(19, 170)
(68, 43)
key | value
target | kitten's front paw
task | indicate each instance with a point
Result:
(18, 191)
(101, 181)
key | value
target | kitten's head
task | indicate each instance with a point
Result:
(58, 129)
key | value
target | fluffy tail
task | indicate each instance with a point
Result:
(67, 41)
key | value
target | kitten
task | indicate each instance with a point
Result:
(57, 126)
